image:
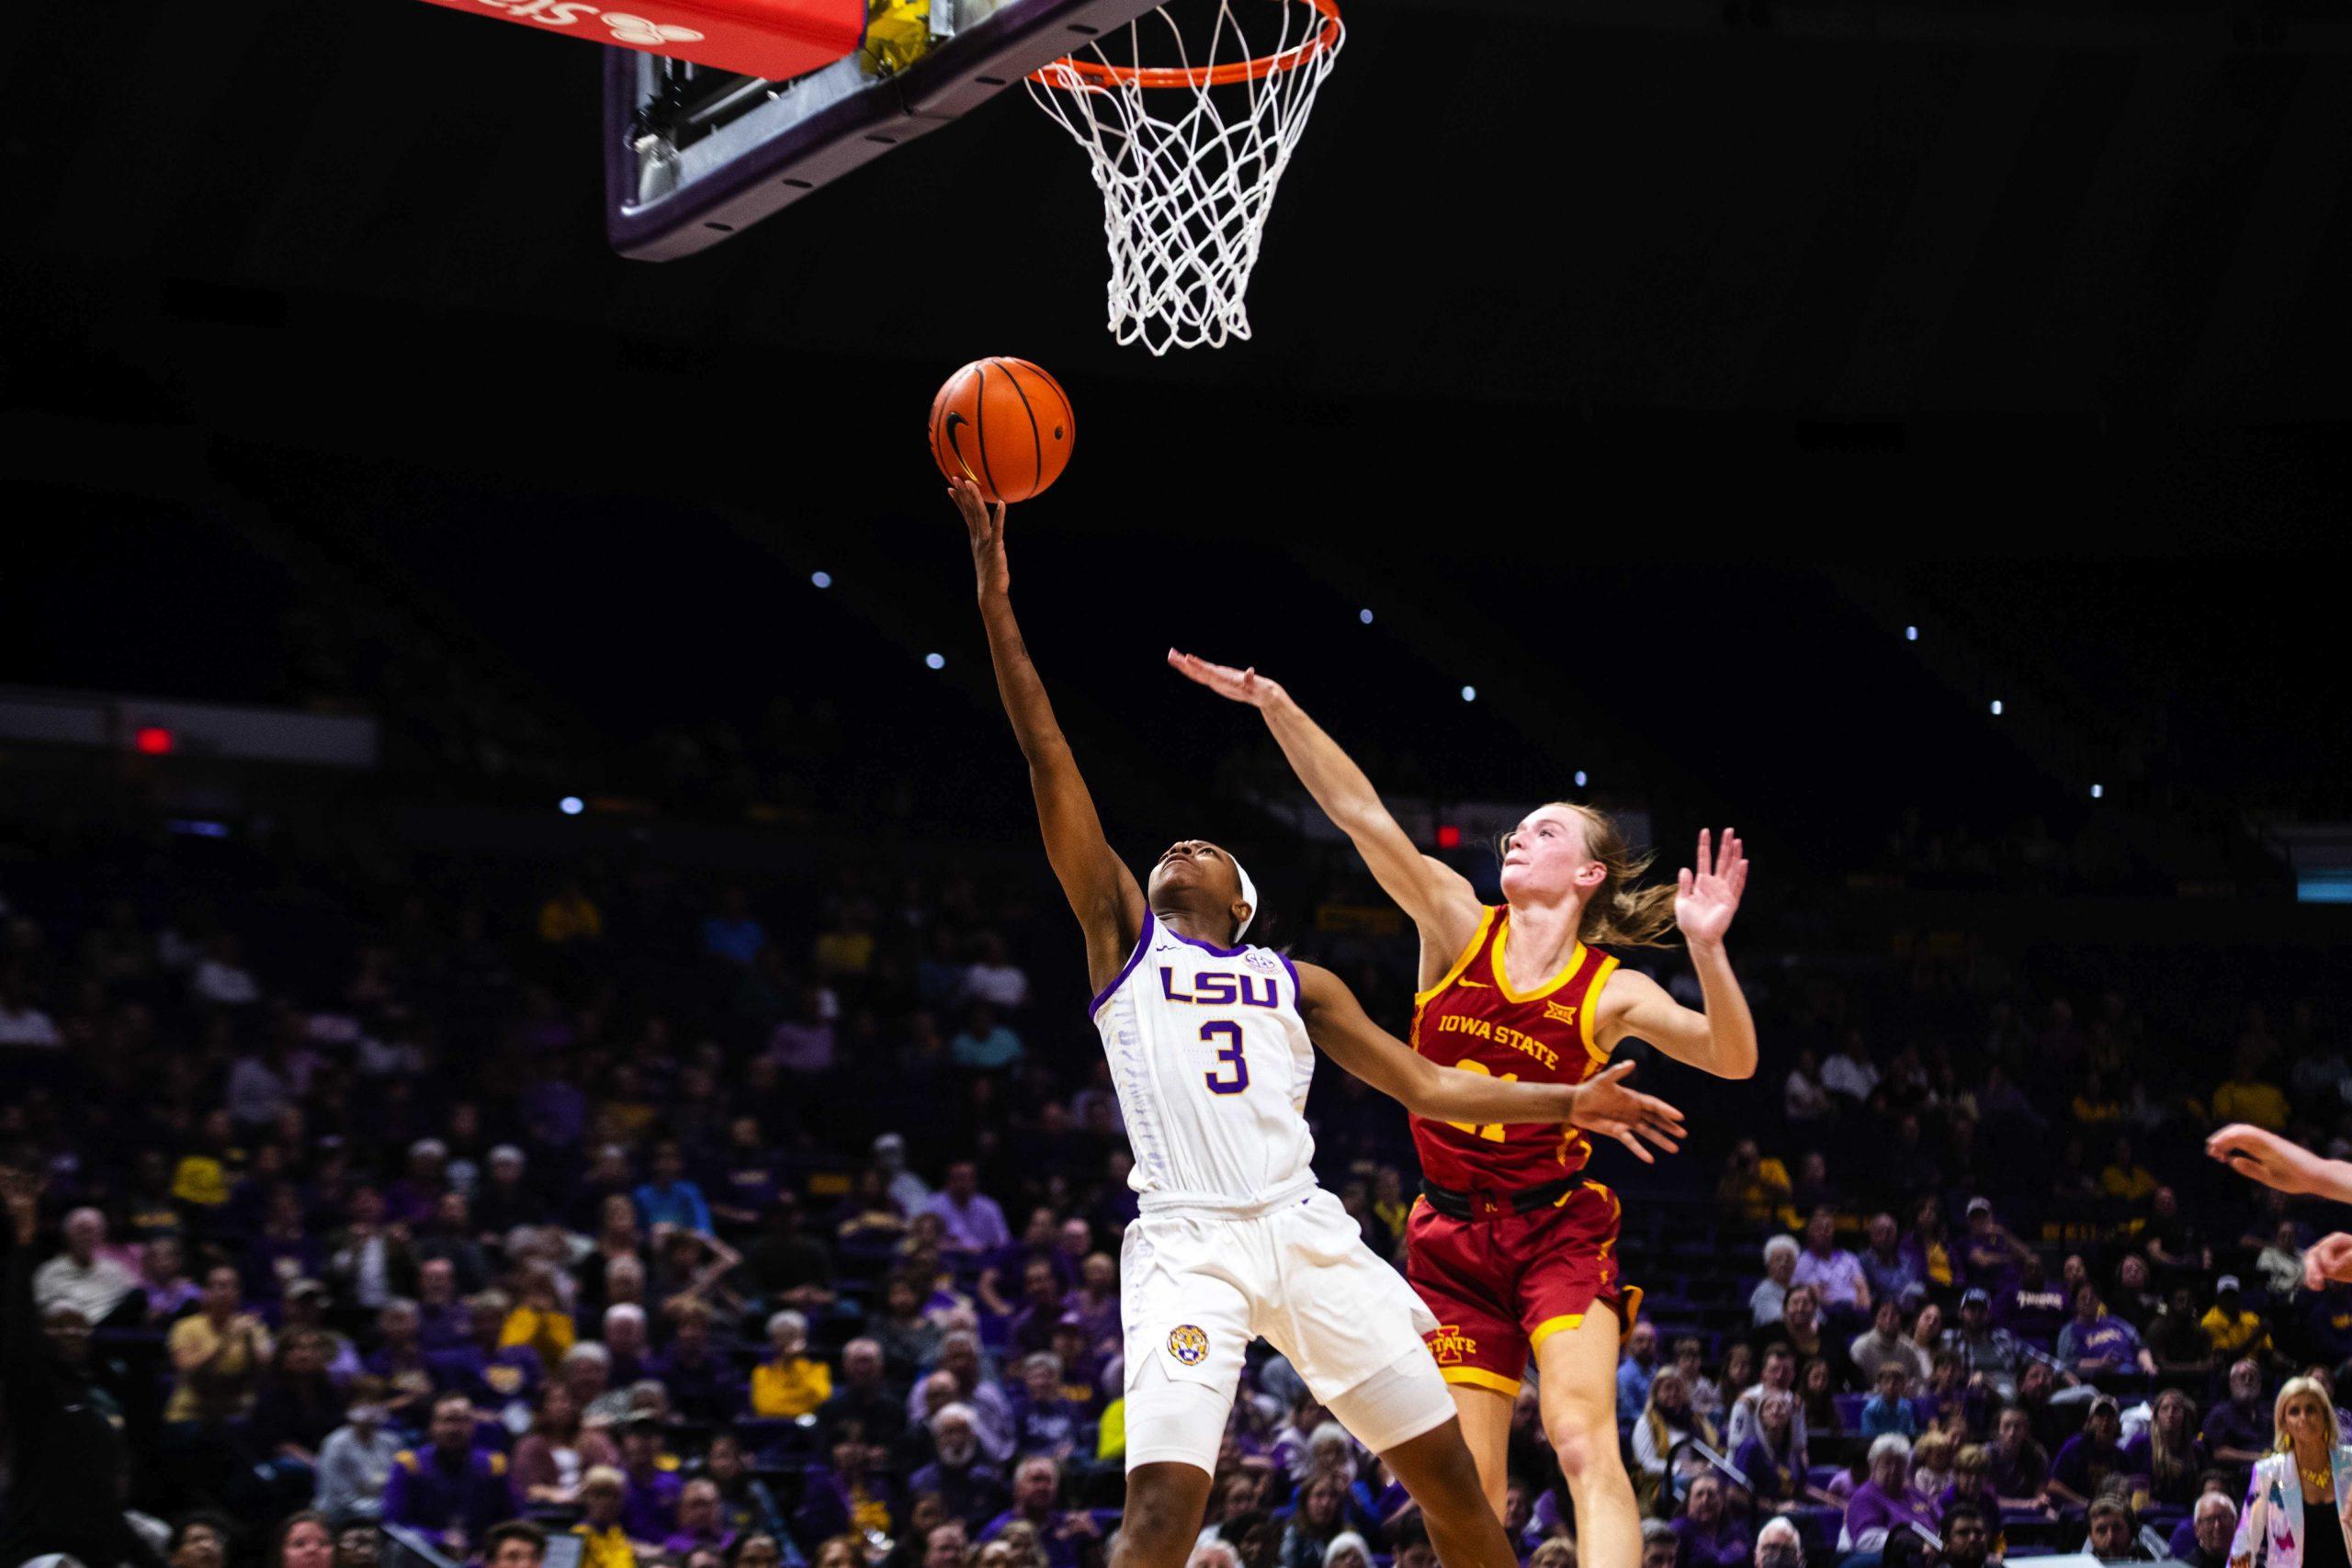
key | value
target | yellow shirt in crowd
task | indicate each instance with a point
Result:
(201, 1179)
(570, 919)
(845, 953)
(2255, 1102)
(224, 1386)
(1111, 1440)
(1760, 1191)
(608, 1547)
(550, 1334)
(2240, 1336)
(793, 1388)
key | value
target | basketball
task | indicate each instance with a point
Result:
(1006, 424)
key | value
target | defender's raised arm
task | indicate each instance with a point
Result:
(1101, 891)
(1439, 898)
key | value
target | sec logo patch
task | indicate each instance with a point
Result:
(1188, 1345)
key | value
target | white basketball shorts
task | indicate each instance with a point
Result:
(1200, 1279)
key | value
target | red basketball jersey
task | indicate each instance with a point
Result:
(1472, 1020)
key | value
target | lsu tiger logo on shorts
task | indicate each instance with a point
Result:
(1188, 1345)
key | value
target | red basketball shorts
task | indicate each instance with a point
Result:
(1502, 1286)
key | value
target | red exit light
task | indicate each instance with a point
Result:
(1449, 837)
(152, 739)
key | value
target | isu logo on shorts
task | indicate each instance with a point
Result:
(1451, 1345)
(1188, 1345)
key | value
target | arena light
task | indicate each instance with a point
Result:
(822, 578)
(153, 739)
(572, 805)
(1364, 615)
(1996, 708)
(1449, 837)
(1469, 694)
(1910, 634)
(1579, 778)
(935, 660)
(2097, 791)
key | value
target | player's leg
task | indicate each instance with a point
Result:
(1485, 1414)
(1575, 1307)
(1165, 1504)
(1469, 1285)
(1187, 1321)
(1577, 1381)
(1391, 1413)
(1354, 1328)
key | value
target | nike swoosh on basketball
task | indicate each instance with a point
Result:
(954, 422)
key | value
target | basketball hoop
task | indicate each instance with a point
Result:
(1188, 178)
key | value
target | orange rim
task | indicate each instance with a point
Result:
(1096, 73)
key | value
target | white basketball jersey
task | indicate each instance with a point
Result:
(1211, 1061)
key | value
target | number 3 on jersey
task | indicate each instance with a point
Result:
(1231, 1056)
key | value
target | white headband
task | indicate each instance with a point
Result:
(1249, 897)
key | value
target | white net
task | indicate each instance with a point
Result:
(1187, 155)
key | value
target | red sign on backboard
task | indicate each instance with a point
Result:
(772, 38)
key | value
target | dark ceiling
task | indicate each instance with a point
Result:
(1494, 204)
(1635, 346)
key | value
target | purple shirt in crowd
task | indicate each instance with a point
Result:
(1870, 1509)
(650, 1509)
(1060, 1550)
(680, 1544)
(1837, 1277)
(976, 1226)
(1774, 1478)
(1725, 1546)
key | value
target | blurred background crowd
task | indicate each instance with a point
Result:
(643, 1089)
(425, 1191)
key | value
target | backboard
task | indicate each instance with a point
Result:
(694, 154)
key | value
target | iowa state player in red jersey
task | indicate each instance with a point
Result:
(1510, 1246)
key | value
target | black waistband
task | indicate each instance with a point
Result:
(1468, 1205)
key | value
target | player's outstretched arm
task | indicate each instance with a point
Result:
(1338, 1024)
(1439, 898)
(1101, 891)
(2270, 1159)
(1722, 1039)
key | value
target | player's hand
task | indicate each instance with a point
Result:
(1241, 685)
(2329, 1259)
(2268, 1159)
(984, 524)
(1708, 894)
(1604, 1105)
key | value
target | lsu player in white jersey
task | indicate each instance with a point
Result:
(1212, 1043)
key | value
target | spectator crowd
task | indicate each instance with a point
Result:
(708, 1232)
